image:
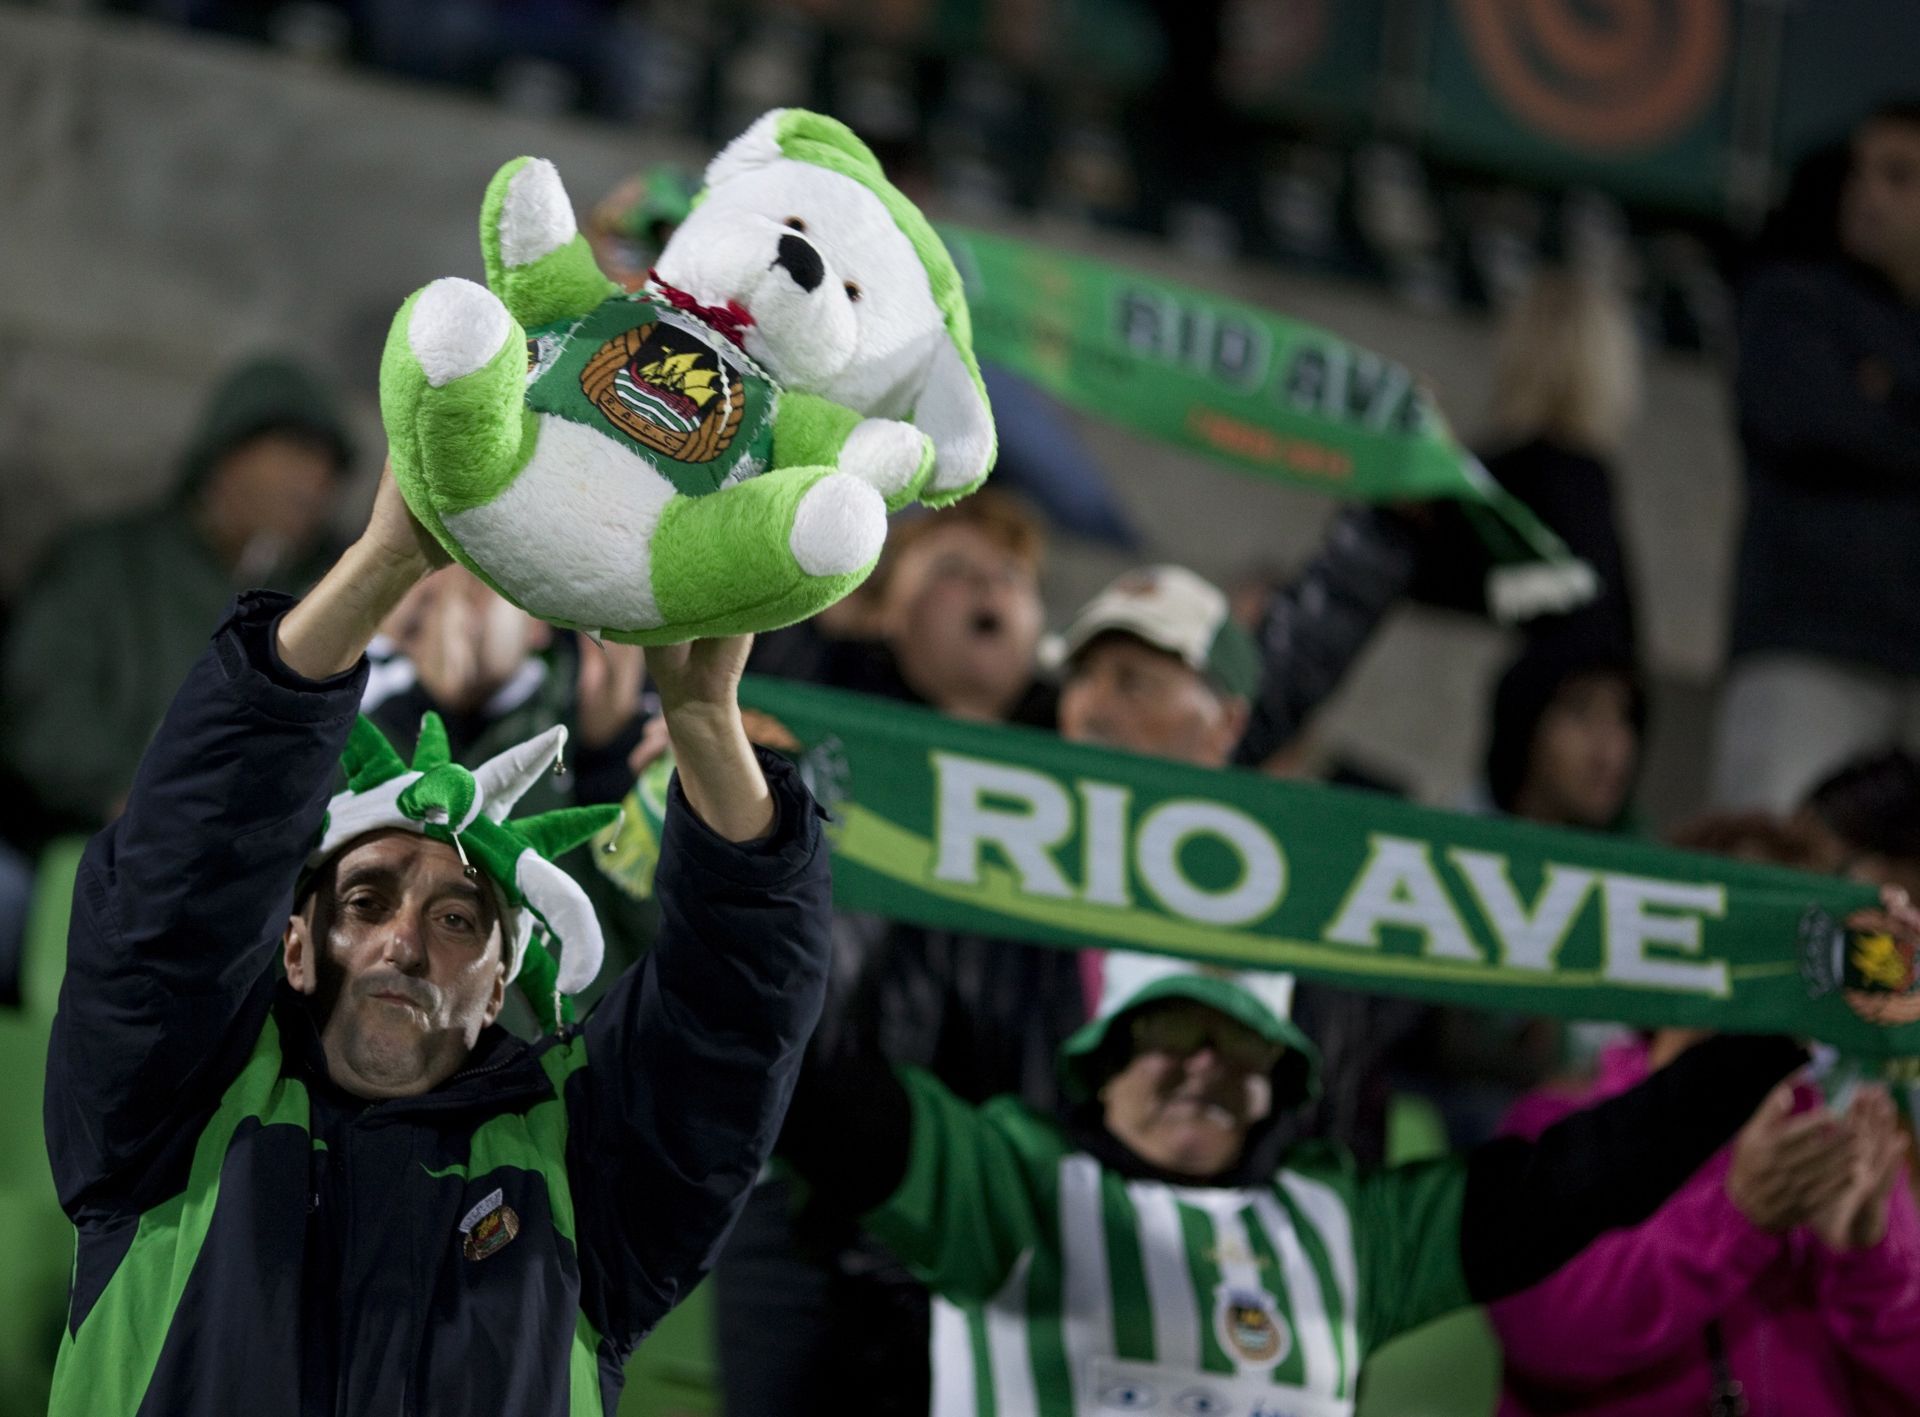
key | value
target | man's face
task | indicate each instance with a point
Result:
(269, 499)
(1580, 768)
(465, 640)
(1196, 1083)
(1880, 208)
(401, 950)
(1121, 692)
(963, 618)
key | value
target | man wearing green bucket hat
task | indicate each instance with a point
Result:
(1160, 1249)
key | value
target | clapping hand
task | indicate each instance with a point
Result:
(1856, 1217)
(1789, 1167)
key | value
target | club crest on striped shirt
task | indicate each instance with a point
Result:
(1250, 1326)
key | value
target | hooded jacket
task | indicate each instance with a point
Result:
(110, 622)
(1828, 392)
(253, 1239)
(268, 395)
(1806, 1330)
(1527, 690)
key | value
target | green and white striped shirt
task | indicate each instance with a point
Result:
(1072, 1291)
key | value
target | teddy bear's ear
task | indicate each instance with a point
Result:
(953, 412)
(757, 147)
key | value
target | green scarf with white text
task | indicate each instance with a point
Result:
(1265, 394)
(1011, 832)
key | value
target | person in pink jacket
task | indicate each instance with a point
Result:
(1783, 1280)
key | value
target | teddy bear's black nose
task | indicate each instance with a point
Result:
(802, 262)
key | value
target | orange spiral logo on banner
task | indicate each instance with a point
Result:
(1604, 75)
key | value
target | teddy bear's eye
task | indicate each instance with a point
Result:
(796, 223)
(853, 291)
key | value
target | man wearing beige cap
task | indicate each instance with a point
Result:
(1155, 664)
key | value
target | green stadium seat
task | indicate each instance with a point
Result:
(34, 1236)
(673, 1373)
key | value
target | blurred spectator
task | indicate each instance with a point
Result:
(956, 614)
(1568, 722)
(1156, 664)
(1865, 820)
(1826, 621)
(122, 607)
(952, 618)
(1566, 390)
(1152, 1239)
(497, 676)
(1784, 1277)
(1400, 223)
(1199, 183)
(629, 226)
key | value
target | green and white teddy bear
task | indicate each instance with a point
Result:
(713, 454)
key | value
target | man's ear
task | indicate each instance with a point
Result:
(297, 952)
(499, 999)
(1234, 713)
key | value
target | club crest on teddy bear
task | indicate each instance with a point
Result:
(712, 454)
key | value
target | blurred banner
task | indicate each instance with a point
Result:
(1013, 833)
(1636, 96)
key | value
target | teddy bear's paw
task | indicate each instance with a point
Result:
(536, 218)
(892, 458)
(456, 329)
(839, 526)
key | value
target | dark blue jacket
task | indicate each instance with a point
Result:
(1829, 400)
(254, 1240)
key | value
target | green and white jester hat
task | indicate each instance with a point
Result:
(437, 798)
